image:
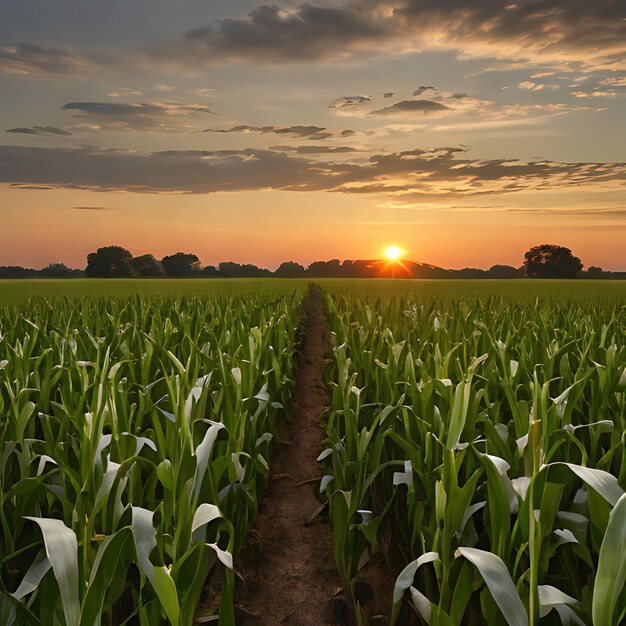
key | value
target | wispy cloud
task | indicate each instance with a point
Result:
(27, 59)
(445, 172)
(146, 117)
(40, 130)
(298, 131)
(90, 208)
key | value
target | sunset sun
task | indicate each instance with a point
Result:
(393, 253)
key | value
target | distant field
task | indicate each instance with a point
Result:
(18, 291)
(517, 289)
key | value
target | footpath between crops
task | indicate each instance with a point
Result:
(292, 578)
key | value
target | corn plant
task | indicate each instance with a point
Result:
(135, 437)
(489, 435)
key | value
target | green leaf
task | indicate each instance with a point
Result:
(550, 597)
(39, 568)
(405, 581)
(145, 541)
(62, 552)
(106, 566)
(459, 414)
(604, 483)
(611, 574)
(12, 611)
(500, 584)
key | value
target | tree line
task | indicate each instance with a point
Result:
(544, 261)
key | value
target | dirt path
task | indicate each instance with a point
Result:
(293, 580)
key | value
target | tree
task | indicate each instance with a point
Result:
(56, 270)
(594, 271)
(505, 271)
(109, 262)
(229, 268)
(325, 269)
(147, 265)
(181, 264)
(551, 261)
(289, 269)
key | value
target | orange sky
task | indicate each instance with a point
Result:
(266, 228)
(261, 133)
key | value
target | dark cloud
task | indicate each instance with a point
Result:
(406, 108)
(421, 89)
(143, 117)
(27, 59)
(349, 102)
(315, 133)
(445, 172)
(273, 34)
(577, 31)
(40, 130)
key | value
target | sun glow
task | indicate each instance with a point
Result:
(393, 253)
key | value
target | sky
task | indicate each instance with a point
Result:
(464, 131)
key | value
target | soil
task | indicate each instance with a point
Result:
(292, 578)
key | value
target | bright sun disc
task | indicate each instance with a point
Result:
(394, 252)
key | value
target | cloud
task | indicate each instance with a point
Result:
(438, 103)
(599, 87)
(316, 149)
(531, 86)
(527, 84)
(40, 130)
(141, 117)
(206, 93)
(124, 92)
(305, 33)
(440, 173)
(352, 102)
(410, 108)
(596, 94)
(421, 89)
(90, 208)
(315, 133)
(592, 34)
(614, 82)
(556, 211)
(464, 111)
(27, 59)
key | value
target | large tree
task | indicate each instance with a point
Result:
(181, 264)
(551, 261)
(110, 262)
(289, 269)
(147, 265)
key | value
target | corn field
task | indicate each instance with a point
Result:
(481, 448)
(477, 448)
(135, 437)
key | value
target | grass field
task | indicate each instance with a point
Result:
(17, 291)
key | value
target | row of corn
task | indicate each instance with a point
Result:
(135, 437)
(479, 447)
